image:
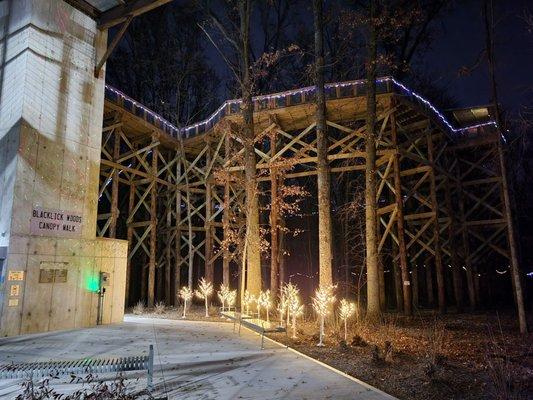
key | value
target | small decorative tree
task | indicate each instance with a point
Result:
(205, 290)
(223, 295)
(186, 295)
(346, 310)
(322, 303)
(248, 300)
(296, 309)
(291, 292)
(266, 303)
(282, 307)
(231, 298)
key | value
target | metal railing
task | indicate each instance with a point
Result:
(41, 369)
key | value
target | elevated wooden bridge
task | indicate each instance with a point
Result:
(444, 208)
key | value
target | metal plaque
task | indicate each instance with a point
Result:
(15, 276)
(60, 276)
(47, 275)
(13, 302)
(14, 290)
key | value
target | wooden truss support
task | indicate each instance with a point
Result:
(441, 201)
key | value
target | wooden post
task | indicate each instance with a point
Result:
(416, 288)
(429, 283)
(456, 268)
(114, 187)
(131, 204)
(226, 214)
(178, 261)
(515, 267)
(466, 244)
(168, 249)
(208, 225)
(439, 270)
(406, 281)
(153, 229)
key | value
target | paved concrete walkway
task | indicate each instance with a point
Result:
(194, 360)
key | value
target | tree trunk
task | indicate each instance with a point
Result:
(406, 290)
(274, 237)
(323, 179)
(253, 251)
(515, 266)
(372, 268)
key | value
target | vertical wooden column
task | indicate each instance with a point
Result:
(402, 250)
(456, 268)
(515, 267)
(178, 260)
(226, 214)
(114, 186)
(465, 243)
(208, 225)
(153, 229)
(168, 248)
(429, 283)
(439, 270)
(415, 285)
(131, 204)
(274, 220)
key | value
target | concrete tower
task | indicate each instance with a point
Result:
(51, 109)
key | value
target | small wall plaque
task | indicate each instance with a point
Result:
(14, 290)
(13, 302)
(15, 276)
(46, 275)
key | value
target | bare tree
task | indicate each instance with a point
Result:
(372, 267)
(324, 208)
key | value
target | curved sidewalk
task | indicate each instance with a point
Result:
(193, 360)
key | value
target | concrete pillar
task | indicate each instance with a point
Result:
(51, 109)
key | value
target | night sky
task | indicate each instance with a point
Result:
(459, 41)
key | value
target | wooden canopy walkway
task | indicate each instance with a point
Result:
(444, 211)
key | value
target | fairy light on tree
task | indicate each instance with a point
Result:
(282, 307)
(186, 294)
(205, 290)
(322, 303)
(291, 293)
(248, 300)
(346, 310)
(231, 298)
(266, 303)
(223, 295)
(296, 309)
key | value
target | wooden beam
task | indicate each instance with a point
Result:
(112, 46)
(84, 7)
(122, 12)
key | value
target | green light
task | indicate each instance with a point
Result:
(92, 283)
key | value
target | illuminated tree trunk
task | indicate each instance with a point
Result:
(372, 268)
(253, 253)
(274, 220)
(324, 212)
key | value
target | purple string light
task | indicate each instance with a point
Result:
(308, 89)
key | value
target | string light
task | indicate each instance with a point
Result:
(266, 303)
(284, 95)
(248, 300)
(223, 295)
(346, 310)
(204, 291)
(186, 295)
(322, 302)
